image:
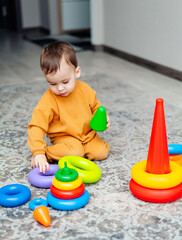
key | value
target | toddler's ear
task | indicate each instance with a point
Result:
(78, 72)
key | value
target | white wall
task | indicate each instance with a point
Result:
(97, 22)
(30, 13)
(151, 29)
(44, 13)
(40, 13)
(53, 16)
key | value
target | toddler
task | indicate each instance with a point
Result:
(64, 112)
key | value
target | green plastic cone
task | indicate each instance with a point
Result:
(99, 120)
(66, 171)
(66, 174)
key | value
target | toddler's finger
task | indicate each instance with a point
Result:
(33, 164)
(42, 167)
(108, 126)
(47, 166)
(37, 164)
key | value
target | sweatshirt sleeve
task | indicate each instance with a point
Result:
(94, 103)
(38, 126)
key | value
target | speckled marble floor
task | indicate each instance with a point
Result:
(128, 92)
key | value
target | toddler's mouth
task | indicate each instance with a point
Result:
(62, 94)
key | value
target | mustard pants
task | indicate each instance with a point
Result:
(96, 149)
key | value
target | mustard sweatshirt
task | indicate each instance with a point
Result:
(63, 116)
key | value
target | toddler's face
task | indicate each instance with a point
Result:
(62, 82)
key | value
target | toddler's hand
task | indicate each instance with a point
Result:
(108, 123)
(40, 160)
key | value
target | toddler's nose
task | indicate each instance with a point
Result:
(60, 87)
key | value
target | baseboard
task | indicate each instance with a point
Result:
(170, 72)
(98, 48)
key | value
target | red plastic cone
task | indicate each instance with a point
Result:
(158, 156)
(41, 214)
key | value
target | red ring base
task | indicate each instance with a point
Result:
(67, 194)
(155, 195)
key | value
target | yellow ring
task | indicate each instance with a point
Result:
(67, 185)
(156, 181)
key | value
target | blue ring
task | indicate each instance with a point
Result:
(42, 180)
(14, 195)
(68, 205)
(33, 204)
(175, 149)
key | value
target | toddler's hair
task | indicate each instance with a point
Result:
(52, 55)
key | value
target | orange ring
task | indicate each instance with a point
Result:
(177, 158)
(155, 195)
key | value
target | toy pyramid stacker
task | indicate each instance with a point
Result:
(157, 179)
(67, 191)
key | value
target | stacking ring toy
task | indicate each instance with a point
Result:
(155, 195)
(33, 204)
(66, 174)
(67, 185)
(75, 193)
(175, 148)
(88, 170)
(14, 195)
(68, 205)
(42, 180)
(156, 181)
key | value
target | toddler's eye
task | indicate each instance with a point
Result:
(65, 82)
(53, 84)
